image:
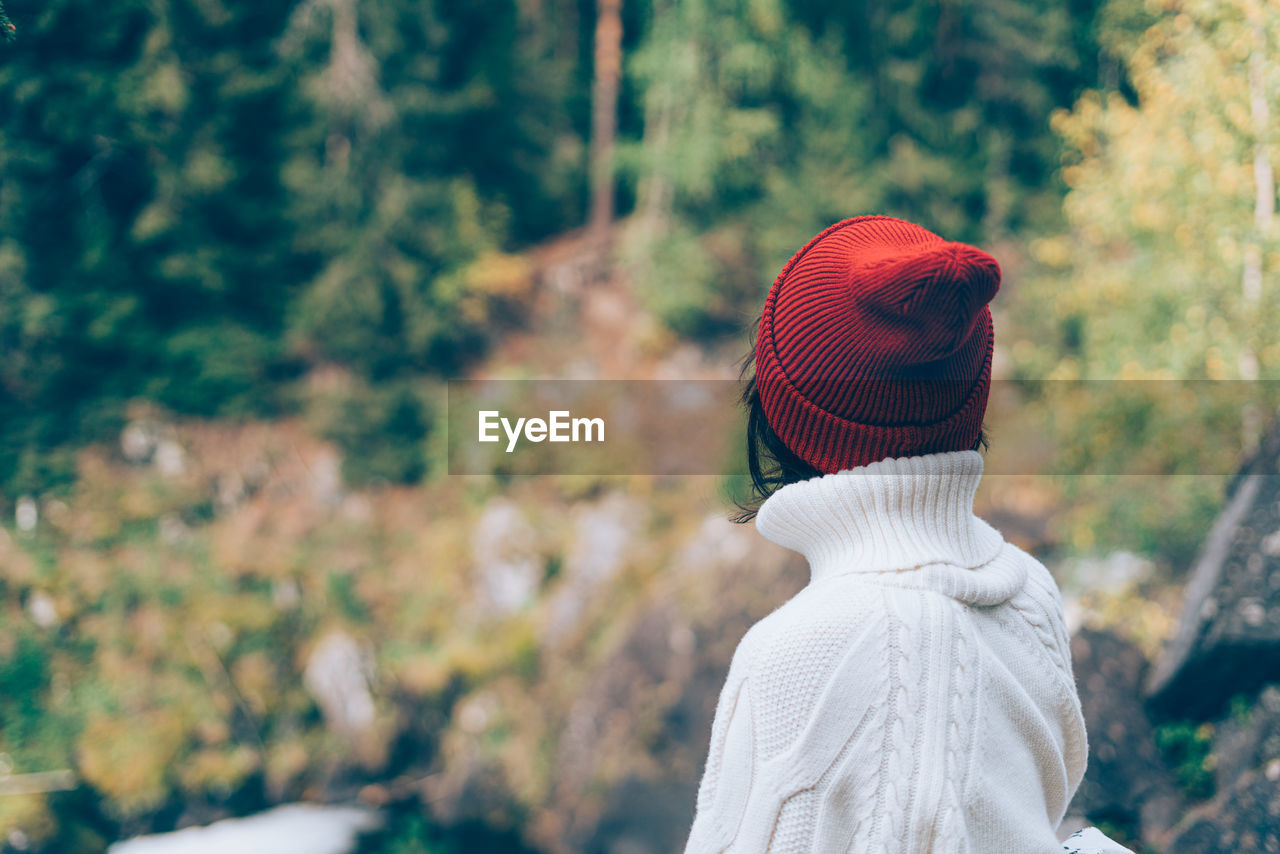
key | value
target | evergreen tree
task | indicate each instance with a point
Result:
(201, 201)
(145, 246)
(751, 141)
(8, 31)
(437, 145)
(767, 120)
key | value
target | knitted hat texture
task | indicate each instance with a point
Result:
(876, 342)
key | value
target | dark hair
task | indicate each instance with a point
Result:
(770, 463)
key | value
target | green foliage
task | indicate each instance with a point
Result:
(146, 245)
(24, 677)
(1124, 831)
(346, 603)
(1162, 203)
(412, 836)
(218, 368)
(766, 121)
(752, 141)
(1240, 709)
(1187, 749)
(203, 201)
(408, 832)
(434, 147)
(382, 430)
(1164, 517)
(158, 649)
(221, 207)
(1149, 283)
(961, 93)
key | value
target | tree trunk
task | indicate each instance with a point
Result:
(1263, 212)
(1263, 176)
(604, 113)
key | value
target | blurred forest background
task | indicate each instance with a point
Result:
(243, 245)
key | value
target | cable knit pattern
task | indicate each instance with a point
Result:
(915, 696)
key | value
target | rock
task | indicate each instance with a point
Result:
(147, 440)
(325, 478)
(477, 712)
(634, 741)
(1126, 785)
(138, 441)
(26, 514)
(1111, 573)
(285, 593)
(643, 680)
(42, 610)
(1244, 816)
(1249, 741)
(229, 490)
(1228, 638)
(170, 459)
(357, 508)
(508, 568)
(718, 543)
(1244, 820)
(337, 675)
(644, 817)
(472, 784)
(1082, 577)
(603, 533)
(472, 788)
(172, 529)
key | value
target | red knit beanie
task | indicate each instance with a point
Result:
(876, 342)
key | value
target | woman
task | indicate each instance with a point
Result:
(917, 695)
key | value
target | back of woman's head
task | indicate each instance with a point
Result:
(875, 341)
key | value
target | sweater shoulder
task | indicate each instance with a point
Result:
(817, 617)
(1040, 581)
(827, 647)
(1040, 604)
(835, 615)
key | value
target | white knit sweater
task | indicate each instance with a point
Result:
(916, 696)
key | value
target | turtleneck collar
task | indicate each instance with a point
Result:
(894, 515)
